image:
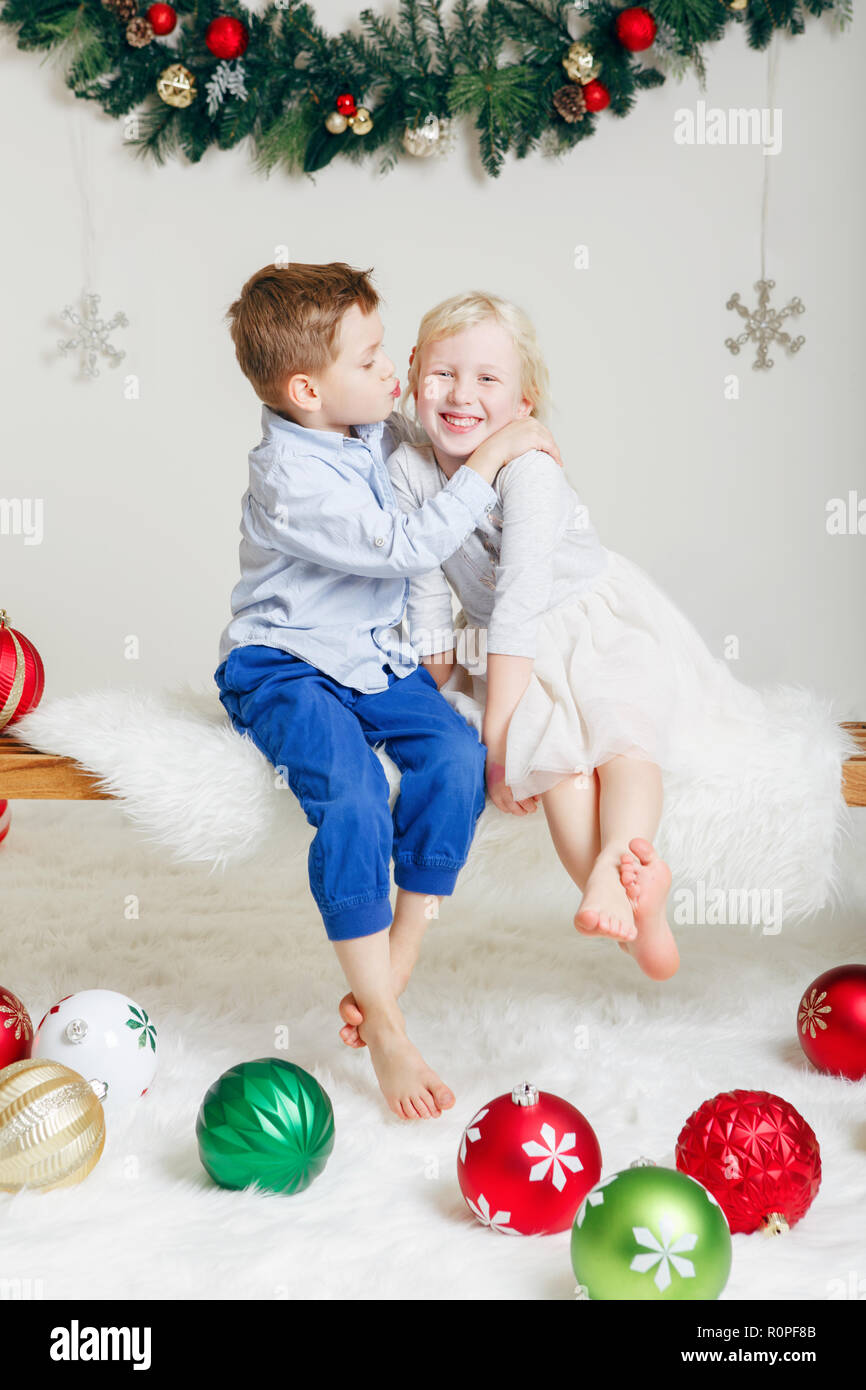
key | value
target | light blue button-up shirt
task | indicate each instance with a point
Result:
(326, 553)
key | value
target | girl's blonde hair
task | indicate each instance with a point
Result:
(464, 311)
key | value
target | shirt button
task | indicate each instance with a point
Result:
(380, 540)
(489, 508)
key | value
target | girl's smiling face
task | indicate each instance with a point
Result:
(469, 387)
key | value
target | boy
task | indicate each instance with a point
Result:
(311, 665)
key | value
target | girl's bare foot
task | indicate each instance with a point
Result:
(605, 909)
(352, 1015)
(647, 880)
(411, 1088)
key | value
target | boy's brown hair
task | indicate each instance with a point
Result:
(286, 319)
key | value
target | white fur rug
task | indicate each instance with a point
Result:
(762, 815)
(503, 993)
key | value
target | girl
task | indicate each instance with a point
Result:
(590, 679)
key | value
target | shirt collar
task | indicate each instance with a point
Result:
(300, 439)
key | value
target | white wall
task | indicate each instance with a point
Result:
(722, 502)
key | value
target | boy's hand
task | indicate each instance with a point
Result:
(501, 795)
(509, 442)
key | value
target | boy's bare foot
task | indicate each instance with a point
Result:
(647, 880)
(411, 1088)
(605, 909)
(352, 1015)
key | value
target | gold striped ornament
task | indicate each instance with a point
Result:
(52, 1127)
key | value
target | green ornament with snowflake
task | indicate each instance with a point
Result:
(653, 1234)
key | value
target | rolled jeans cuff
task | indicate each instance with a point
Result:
(436, 879)
(358, 919)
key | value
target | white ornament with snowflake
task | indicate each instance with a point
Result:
(764, 325)
(227, 81)
(91, 339)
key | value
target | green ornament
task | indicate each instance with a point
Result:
(267, 1122)
(651, 1233)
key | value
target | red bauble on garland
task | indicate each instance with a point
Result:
(757, 1156)
(162, 18)
(526, 1162)
(16, 1029)
(227, 37)
(831, 1021)
(635, 29)
(22, 677)
(595, 95)
(346, 104)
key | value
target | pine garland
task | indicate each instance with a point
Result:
(498, 62)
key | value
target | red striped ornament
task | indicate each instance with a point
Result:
(22, 677)
(5, 817)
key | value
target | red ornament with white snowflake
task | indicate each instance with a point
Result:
(635, 29)
(526, 1162)
(831, 1021)
(163, 18)
(5, 818)
(758, 1157)
(227, 37)
(16, 1029)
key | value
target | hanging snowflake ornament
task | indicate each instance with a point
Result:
(91, 335)
(764, 325)
(228, 81)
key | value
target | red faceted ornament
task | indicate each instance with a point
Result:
(162, 18)
(526, 1162)
(16, 1029)
(5, 817)
(831, 1021)
(346, 104)
(596, 95)
(635, 29)
(756, 1155)
(22, 678)
(227, 37)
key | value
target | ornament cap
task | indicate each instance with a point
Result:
(774, 1224)
(99, 1088)
(525, 1094)
(76, 1030)
(643, 1163)
(3, 617)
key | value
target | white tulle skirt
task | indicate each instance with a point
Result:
(618, 669)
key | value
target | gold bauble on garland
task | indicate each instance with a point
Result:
(361, 122)
(336, 122)
(427, 137)
(52, 1126)
(176, 86)
(580, 64)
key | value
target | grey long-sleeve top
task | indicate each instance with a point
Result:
(535, 550)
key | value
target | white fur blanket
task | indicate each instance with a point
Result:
(763, 816)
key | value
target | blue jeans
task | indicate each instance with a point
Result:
(321, 735)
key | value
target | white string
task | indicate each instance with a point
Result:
(772, 58)
(80, 168)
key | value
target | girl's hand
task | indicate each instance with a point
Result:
(501, 794)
